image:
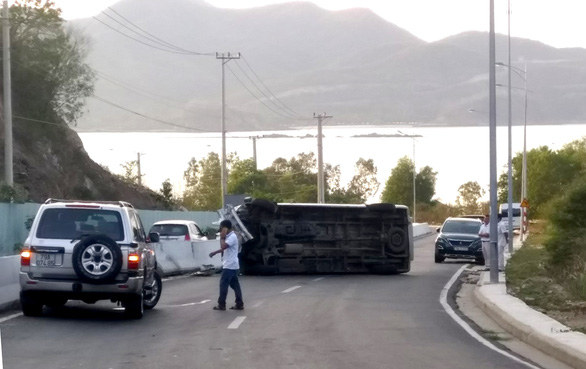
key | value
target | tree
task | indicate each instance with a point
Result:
(202, 184)
(361, 187)
(468, 198)
(399, 186)
(246, 179)
(166, 192)
(50, 80)
(130, 171)
(293, 180)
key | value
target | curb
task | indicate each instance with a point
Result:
(531, 326)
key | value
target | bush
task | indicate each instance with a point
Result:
(566, 231)
(15, 193)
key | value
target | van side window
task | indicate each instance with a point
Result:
(137, 230)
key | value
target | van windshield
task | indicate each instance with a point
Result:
(67, 223)
(516, 212)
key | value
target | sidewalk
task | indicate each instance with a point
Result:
(527, 324)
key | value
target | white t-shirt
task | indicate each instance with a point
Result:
(484, 228)
(230, 259)
(503, 227)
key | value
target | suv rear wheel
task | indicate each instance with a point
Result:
(153, 292)
(97, 259)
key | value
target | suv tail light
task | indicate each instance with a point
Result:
(187, 238)
(25, 258)
(133, 261)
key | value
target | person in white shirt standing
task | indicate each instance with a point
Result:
(230, 266)
(503, 240)
(484, 234)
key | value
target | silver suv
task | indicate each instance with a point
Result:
(89, 251)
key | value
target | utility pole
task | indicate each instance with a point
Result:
(138, 154)
(254, 138)
(225, 58)
(8, 160)
(321, 198)
(412, 137)
(510, 151)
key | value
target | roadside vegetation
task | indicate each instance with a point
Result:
(549, 271)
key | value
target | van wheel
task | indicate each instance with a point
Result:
(30, 305)
(97, 259)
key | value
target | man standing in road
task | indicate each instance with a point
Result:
(230, 266)
(484, 234)
(503, 240)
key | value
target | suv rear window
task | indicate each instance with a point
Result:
(72, 223)
(170, 229)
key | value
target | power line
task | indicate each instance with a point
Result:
(144, 43)
(148, 117)
(256, 97)
(157, 38)
(268, 89)
(264, 94)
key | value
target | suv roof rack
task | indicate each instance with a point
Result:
(120, 203)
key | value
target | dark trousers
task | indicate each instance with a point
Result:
(230, 278)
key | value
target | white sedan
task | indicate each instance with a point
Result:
(179, 230)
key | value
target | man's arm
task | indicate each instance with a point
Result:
(223, 244)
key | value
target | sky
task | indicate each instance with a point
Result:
(557, 23)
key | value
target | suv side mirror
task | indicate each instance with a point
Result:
(154, 237)
(205, 233)
(438, 229)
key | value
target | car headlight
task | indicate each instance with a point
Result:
(441, 242)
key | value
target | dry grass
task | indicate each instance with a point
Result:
(557, 293)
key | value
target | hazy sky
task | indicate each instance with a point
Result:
(558, 23)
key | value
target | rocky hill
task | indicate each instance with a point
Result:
(352, 64)
(51, 162)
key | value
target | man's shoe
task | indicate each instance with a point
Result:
(237, 307)
(218, 307)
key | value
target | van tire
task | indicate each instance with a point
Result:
(97, 259)
(397, 240)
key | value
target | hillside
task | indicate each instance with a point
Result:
(352, 64)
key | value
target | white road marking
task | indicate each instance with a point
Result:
(290, 289)
(1, 361)
(444, 301)
(7, 318)
(234, 325)
(195, 303)
(257, 304)
(318, 279)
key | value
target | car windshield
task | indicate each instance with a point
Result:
(67, 223)
(170, 229)
(456, 226)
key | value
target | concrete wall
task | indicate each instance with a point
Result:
(421, 229)
(9, 287)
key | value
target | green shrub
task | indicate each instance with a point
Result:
(566, 230)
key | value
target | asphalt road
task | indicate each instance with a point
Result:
(333, 321)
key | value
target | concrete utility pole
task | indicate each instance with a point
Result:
(414, 172)
(321, 192)
(8, 161)
(138, 168)
(224, 175)
(254, 138)
(494, 273)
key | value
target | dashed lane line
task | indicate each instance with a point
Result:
(258, 304)
(7, 318)
(290, 289)
(234, 325)
(318, 279)
(444, 301)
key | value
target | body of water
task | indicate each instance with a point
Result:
(457, 154)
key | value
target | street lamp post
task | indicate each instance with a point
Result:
(523, 74)
(412, 137)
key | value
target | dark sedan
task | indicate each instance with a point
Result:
(458, 239)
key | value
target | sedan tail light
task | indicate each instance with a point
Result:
(187, 238)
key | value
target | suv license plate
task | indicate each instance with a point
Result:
(49, 260)
(461, 248)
